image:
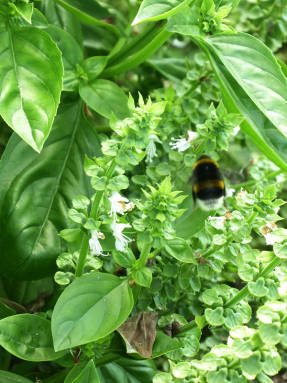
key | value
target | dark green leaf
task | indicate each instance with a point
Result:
(30, 94)
(103, 303)
(28, 337)
(41, 187)
(72, 55)
(9, 377)
(83, 373)
(127, 371)
(179, 249)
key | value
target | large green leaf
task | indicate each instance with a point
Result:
(9, 377)
(127, 371)
(256, 89)
(152, 10)
(30, 81)
(36, 191)
(105, 97)
(256, 70)
(103, 303)
(28, 337)
(72, 55)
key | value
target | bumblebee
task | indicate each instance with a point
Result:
(208, 189)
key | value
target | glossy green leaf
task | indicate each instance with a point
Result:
(245, 90)
(105, 97)
(25, 10)
(152, 10)
(9, 377)
(180, 250)
(83, 373)
(72, 55)
(31, 74)
(28, 337)
(255, 68)
(103, 303)
(127, 371)
(36, 192)
(164, 344)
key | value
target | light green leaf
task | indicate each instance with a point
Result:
(28, 337)
(217, 376)
(180, 250)
(252, 83)
(9, 377)
(251, 366)
(258, 288)
(118, 183)
(272, 362)
(105, 97)
(29, 240)
(214, 317)
(103, 303)
(262, 378)
(31, 74)
(143, 277)
(280, 250)
(24, 10)
(242, 349)
(152, 10)
(99, 183)
(269, 333)
(83, 373)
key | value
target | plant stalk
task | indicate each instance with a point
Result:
(93, 214)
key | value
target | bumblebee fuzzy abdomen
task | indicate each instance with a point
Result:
(208, 185)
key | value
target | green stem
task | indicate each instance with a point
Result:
(244, 292)
(93, 214)
(87, 19)
(144, 255)
(139, 56)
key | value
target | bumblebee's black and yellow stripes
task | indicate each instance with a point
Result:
(208, 188)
